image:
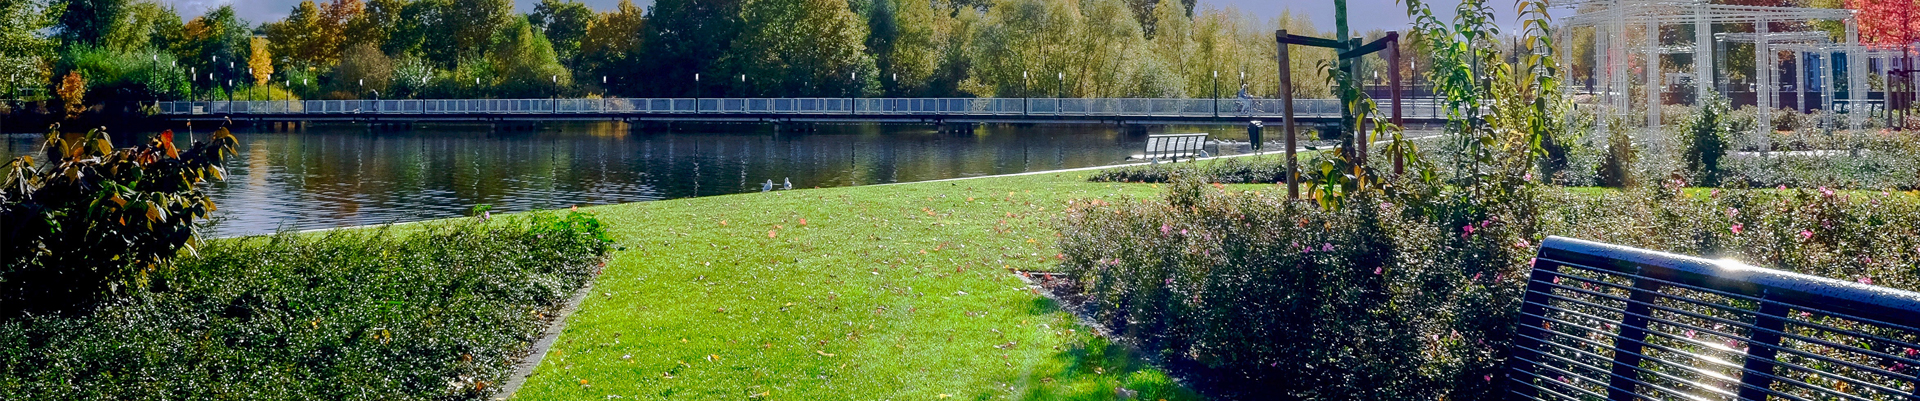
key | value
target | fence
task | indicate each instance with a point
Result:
(968, 107)
(1602, 321)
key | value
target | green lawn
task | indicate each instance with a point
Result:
(878, 292)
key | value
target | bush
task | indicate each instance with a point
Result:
(1238, 170)
(1706, 143)
(420, 313)
(1392, 298)
(1616, 169)
(1271, 298)
(95, 220)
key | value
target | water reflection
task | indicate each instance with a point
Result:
(346, 175)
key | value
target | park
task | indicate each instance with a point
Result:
(961, 199)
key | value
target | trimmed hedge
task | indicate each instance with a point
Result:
(434, 312)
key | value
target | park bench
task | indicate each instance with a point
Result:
(1175, 146)
(1602, 321)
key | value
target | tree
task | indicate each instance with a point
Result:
(295, 37)
(565, 24)
(611, 46)
(23, 49)
(215, 45)
(1887, 22)
(144, 74)
(90, 22)
(526, 63)
(905, 41)
(376, 23)
(457, 30)
(145, 24)
(687, 37)
(260, 61)
(805, 48)
(73, 92)
(362, 71)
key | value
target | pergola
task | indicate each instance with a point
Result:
(1611, 20)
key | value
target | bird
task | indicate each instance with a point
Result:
(767, 186)
(788, 184)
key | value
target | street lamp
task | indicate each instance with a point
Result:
(696, 93)
(1026, 99)
(1216, 93)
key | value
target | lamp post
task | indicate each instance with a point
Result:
(851, 88)
(1026, 98)
(696, 93)
(1216, 93)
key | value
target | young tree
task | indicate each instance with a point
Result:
(362, 71)
(906, 40)
(376, 23)
(805, 48)
(216, 45)
(565, 24)
(73, 92)
(260, 61)
(145, 24)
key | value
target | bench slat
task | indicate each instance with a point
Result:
(1666, 294)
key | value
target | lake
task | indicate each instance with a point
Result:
(340, 175)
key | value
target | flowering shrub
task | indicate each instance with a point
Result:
(1275, 298)
(1380, 299)
(439, 312)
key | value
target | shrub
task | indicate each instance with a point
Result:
(1706, 143)
(1238, 170)
(429, 312)
(1393, 298)
(95, 220)
(1616, 169)
(1271, 298)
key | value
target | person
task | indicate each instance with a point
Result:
(1246, 101)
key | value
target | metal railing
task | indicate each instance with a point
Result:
(969, 107)
(1602, 321)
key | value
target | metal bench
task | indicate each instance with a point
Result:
(1175, 146)
(1602, 321)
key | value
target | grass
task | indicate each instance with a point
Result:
(877, 292)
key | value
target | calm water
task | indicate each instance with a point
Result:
(345, 175)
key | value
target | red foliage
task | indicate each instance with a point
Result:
(1887, 22)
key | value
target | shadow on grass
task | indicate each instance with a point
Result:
(1093, 367)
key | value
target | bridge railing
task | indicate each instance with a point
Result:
(978, 107)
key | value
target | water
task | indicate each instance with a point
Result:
(343, 175)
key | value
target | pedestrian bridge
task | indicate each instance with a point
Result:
(924, 110)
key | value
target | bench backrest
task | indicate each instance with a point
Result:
(1175, 145)
(1619, 323)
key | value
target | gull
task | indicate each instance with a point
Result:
(767, 186)
(788, 184)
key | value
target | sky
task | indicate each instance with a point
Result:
(1364, 15)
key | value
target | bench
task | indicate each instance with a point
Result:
(1175, 146)
(1602, 321)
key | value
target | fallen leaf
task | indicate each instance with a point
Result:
(822, 353)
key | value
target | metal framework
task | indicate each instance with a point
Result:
(1611, 21)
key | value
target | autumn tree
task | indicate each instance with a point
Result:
(216, 44)
(526, 63)
(260, 61)
(294, 37)
(363, 71)
(73, 91)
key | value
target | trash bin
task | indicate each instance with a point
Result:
(1253, 133)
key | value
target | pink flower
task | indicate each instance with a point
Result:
(1468, 228)
(1476, 276)
(1824, 192)
(1169, 281)
(1164, 230)
(1326, 247)
(1913, 352)
(1183, 231)
(1715, 193)
(1489, 377)
(1523, 244)
(1689, 333)
(1378, 270)
(1782, 187)
(1736, 228)
(1528, 177)
(1733, 212)
(1865, 280)
(1532, 261)
(1806, 235)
